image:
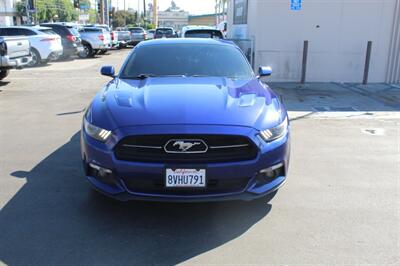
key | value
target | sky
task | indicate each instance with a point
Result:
(195, 7)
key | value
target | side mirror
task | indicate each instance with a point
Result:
(264, 71)
(108, 71)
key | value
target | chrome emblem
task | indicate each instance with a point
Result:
(185, 146)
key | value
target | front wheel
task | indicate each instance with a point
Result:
(4, 73)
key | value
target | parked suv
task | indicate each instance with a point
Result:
(94, 40)
(70, 38)
(45, 44)
(138, 34)
(14, 53)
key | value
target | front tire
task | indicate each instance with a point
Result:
(4, 73)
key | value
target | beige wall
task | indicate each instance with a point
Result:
(202, 20)
(337, 46)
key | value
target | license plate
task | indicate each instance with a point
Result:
(183, 178)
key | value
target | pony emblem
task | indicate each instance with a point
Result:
(185, 146)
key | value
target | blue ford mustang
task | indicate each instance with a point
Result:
(186, 120)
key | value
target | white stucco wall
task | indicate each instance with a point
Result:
(6, 12)
(336, 48)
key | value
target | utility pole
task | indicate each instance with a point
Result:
(144, 12)
(155, 13)
(138, 12)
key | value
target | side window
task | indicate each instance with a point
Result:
(27, 32)
(2, 32)
(11, 32)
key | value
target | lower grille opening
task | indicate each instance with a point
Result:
(157, 186)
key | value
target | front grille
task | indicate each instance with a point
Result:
(157, 186)
(221, 148)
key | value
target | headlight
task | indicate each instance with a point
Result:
(96, 132)
(274, 133)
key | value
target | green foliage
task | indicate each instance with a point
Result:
(20, 7)
(123, 18)
(150, 26)
(55, 10)
(92, 16)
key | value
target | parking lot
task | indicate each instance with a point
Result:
(340, 205)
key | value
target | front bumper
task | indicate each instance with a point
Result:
(270, 154)
(7, 62)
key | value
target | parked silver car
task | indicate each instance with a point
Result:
(94, 40)
(138, 34)
(124, 38)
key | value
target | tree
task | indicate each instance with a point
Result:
(123, 18)
(52, 10)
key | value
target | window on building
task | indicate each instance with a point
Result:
(240, 12)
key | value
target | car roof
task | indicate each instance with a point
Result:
(35, 27)
(186, 41)
(201, 29)
(93, 28)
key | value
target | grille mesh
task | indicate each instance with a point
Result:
(221, 148)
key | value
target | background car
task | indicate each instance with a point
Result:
(94, 40)
(107, 36)
(138, 34)
(124, 37)
(202, 32)
(166, 32)
(115, 43)
(45, 44)
(70, 38)
(150, 34)
(14, 53)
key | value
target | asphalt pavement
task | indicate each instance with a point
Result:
(340, 205)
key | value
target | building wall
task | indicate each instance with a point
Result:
(175, 19)
(7, 12)
(337, 31)
(208, 20)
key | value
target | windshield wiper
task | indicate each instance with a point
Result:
(145, 76)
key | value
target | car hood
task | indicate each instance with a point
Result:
(201, 101)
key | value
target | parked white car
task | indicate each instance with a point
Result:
(45, 44)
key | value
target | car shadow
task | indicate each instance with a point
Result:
(56, 219)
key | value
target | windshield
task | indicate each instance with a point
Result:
(214, 34)
(74, 31)
(187, 60)
(137, 30)
(164, 31)
(47, 31)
